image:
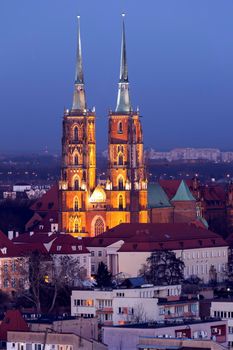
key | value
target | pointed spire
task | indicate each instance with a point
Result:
(123, 68)
(123, 99)
(183, 193)
(79, 100)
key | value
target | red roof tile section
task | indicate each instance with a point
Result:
(13, 321)
(149, 237)
(49, 201)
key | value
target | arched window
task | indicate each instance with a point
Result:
(75, 133)
(120, 183)
(99, 227)
(76, 160)
(120, 128)
(76, 184)
(76, 206)
(120, 202)
(120, 159)
(76, 226)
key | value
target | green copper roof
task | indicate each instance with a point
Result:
(157, 197)
(183, 193)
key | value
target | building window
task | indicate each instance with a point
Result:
(120, 128)
(76, 160)
(5, 283)
(120, 183)
(13, 266)
(120, 202)
(120, 159)
(99, 253)
(76, 207)
(76, 184)
(76, 133)
(13, 283)
(99, 226)
(5, 267)
(92, 253)
(76, 226)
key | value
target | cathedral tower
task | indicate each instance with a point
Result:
(78, 173)
(127, 181)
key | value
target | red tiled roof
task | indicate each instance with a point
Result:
(148, 237)
(27, 248)
(49, 201)
(67, 244)
(13, 321)
(7, 248)
(35, 237)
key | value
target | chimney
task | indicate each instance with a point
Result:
(10, 235)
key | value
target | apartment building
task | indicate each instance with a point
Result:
(224, 309)
(120, 306)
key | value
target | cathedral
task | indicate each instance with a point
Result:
(87, 208)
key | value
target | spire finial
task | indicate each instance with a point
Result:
(79, 101)
(79, 63)
(123, 101)
(123, 68)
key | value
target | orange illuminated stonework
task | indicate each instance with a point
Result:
(88, 208)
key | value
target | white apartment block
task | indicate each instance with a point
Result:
(198, 261)
(121, 306)
(224, 310)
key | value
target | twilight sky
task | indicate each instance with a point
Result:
(180, 58)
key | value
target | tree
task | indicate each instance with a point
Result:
(103, 277)
(44, 278)
(163, 268)
(191, 285)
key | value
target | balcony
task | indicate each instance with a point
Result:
(104, 310)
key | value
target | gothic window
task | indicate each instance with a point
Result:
(76, 184)
(76, 228)
(120, 128)
(99, 226)
(75, 133)
(76, 160)
(120, 183)
(120, 202)
(76, 206)
(120, 159)
(77, 225)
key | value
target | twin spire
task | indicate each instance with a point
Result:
(123, 99)
(79, 100)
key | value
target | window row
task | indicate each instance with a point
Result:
(84, 302)
(204, 254)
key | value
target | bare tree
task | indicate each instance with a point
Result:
(43, 277)
(65, 272)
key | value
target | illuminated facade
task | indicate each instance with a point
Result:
(88, 208)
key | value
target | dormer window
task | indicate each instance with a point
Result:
(80, 247)
(58, 248)
(73, 247)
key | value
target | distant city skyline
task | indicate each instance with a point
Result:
(180, 70)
